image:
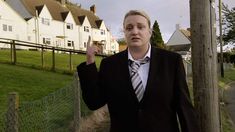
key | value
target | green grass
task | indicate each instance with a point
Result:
(31, 84)
(223, 82)
(33, 59)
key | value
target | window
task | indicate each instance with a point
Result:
(4, 27)
(102, 31)
(69, 26)
(84, 45)
(86, 28)
(29, 38)
(70, 43)
(9, 28)
(46, 41)
(45, 21)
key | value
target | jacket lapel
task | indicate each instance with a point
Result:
(152, 75)
(125, 75)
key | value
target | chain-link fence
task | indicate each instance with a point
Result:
(2, 122)
(57, 112)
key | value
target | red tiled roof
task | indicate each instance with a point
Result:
(59, 12)
(78, 12)
(54, 7)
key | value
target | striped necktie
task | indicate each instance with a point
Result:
(135, 78)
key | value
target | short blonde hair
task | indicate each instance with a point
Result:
(137, 12)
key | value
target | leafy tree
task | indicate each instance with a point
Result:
(156, 38)
(228, 24)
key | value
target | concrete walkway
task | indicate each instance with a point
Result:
(230, 100)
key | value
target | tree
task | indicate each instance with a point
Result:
(156, 38)
(228, 24)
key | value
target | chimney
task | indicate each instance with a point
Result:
(93, 9)
(177, 26)
(62, 2)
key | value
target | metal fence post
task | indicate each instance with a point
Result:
(12, 113)
(77, 106)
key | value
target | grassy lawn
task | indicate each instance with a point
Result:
(31, 84)
(33, 59)
(226, 120)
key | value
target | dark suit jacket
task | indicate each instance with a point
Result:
(165, 97)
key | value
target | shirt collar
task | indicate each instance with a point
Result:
(148, 54)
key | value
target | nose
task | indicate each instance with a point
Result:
(134, 31)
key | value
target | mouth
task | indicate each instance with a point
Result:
(135, 39)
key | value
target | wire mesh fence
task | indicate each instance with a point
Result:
(52, 113)
(57, 112)
(2, 122)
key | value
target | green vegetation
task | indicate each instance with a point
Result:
(34, 83)
(226, 121)
(156, 38)
(31, 84)
(33, 59)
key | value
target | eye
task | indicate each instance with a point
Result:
(141, 27)
(128, 28)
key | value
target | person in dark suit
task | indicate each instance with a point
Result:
(144, 87)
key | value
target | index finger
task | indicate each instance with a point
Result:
(89, 41)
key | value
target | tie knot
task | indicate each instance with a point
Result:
(145, 60)
(135, 65)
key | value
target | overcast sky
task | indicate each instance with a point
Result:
(167, 12)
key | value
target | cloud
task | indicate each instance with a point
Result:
(167, 13)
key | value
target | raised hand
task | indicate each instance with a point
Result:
(91, 50)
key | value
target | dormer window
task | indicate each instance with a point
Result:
(45, 21)
(102, 31)
(86, 28)
(69, 26)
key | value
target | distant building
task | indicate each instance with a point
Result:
(180, 42)
(55, 23)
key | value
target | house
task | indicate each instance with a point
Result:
(56, 23)
(180, 42)
(12, 25)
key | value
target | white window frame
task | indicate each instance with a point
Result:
(69, 26)
(84, 44)
(86, 29)
(45, 21)
(46, 41)
(10, 29)
(70, 43)
(4, 27)
(102, 31)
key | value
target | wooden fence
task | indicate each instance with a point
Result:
(42, 48)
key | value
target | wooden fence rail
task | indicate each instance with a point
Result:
(42, 48)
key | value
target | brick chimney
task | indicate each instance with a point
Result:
(93, 9)
(62, 2)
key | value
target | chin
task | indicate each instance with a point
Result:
(135, 44)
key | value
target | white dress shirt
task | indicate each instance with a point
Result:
(143, 71)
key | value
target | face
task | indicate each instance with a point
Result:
(137, 31)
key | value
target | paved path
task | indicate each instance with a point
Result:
(96, 122)
(230, 100)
